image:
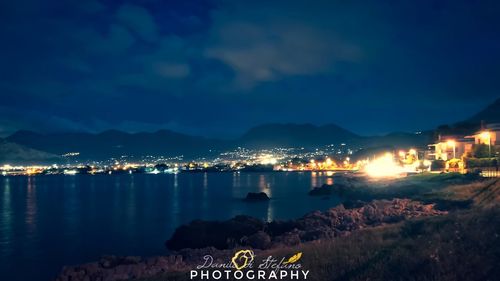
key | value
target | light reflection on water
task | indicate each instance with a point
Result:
(50, 221)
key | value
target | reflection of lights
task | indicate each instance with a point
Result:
(384, 166)
(402, 154)
(412, 151)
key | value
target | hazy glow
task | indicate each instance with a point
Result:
(384, 166)
(267, 159)
(485, 135)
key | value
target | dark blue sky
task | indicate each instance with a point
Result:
(217, 68)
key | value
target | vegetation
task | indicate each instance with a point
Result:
(464, 245)
(438, 165)
(481, 162)
(483, 151)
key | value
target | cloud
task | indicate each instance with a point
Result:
(96, 63)
(139, 20)
(262, 43)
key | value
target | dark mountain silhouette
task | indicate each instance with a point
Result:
(114, 143)
(310, 136)
(398, 140)
(12, 153)
(491, 114)
(295, 135)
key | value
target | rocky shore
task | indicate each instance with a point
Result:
(191, 242)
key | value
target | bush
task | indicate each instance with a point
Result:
(483, 151)
(481, 162)
(438, 165)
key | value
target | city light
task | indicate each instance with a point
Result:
(452, 143)
(485, 135)
(384, 166)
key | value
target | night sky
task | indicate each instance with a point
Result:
(216, 68)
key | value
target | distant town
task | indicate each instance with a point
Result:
(476, 152)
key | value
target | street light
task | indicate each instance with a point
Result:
(486, 135)
(452, 143)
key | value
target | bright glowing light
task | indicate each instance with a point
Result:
(384, 166)
(485, 135)
(328, 161)
(450, 143)
(267, 159)
(412, 151)
(7, 167)
(70, 172)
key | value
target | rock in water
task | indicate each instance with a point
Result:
(324, 190)
(257, 196)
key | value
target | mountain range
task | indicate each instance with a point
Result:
(28, 146)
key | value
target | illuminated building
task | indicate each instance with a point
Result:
(489, 135)
(450, 147)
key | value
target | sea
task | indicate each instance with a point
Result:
(49, 221)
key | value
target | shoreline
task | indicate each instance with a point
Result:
(319, 229)
(311, 228)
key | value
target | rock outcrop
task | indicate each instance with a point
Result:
(218, 239)
(338, 221)
(256, 197)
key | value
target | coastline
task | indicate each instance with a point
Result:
(315, 228)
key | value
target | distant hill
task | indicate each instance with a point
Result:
(12, 153)
(399, 140)
(491, 114)
(26, 145)
(114, 143)
(311, 136)
(295, 135)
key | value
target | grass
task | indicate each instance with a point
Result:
(464, 245)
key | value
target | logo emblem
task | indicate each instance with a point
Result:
(295, 258)
(242, 259)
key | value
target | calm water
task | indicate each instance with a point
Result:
(50, 221)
